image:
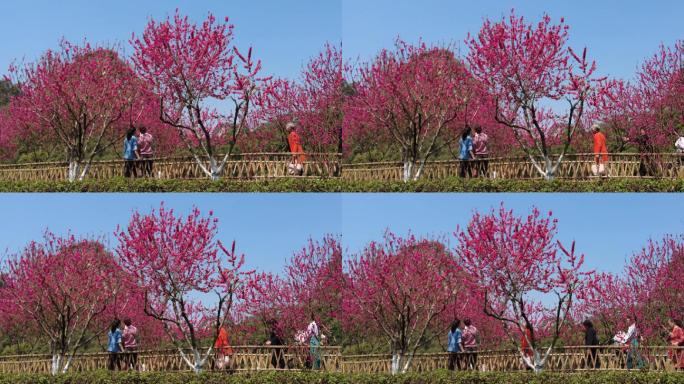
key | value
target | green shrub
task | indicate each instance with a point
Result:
(339, 185)
(103, 377)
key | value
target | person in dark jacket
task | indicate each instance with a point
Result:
(591, 340)
(274, 340)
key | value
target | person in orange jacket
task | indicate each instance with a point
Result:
(600, 151)
(298, 157)
(223, 349)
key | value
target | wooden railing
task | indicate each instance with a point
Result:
(244, 167)
(567, 359)
(243, 358)
(324, 165)
(258, 358)
(575, 166)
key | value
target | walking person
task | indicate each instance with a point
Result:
(223, 349)
(679, 150)
(296, 166)
(146, 151)
(526, 341)
(455, 345)
(630, 344)
(130, 344)
(470, 340)
(314, 335)
(274, 340)
(130, 153)
(115, 346)
(481, 152)
(676, 340)
(466, 155)
(600, 152)
(591, 340)
(647, 166)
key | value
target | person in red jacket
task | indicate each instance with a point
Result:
(600, 152)
(526, 345)
(296, 167)
(223, 349)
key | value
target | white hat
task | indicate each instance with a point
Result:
(290, 125)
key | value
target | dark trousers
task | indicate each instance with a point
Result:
(482, 166)
(131, 359)
(454, 361)
(147, 165)
(114, 361)
(278, 358)
(471, 358)
(465, 168)
(130, 169)
(592, 359)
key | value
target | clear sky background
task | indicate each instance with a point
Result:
(607, 227)
(268, 228)
(284, 33)
(619, 34)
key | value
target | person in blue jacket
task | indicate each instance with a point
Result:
(455, 346)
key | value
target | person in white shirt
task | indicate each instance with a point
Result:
(314, 343)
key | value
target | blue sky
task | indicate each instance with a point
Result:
(607, 227)
(619, 34)
(284, 34)
(269, 227)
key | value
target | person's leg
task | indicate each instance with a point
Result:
(452, 357)
(485, 166)
(110, 364)
(461, 169)
(134, 360)
(127, 168)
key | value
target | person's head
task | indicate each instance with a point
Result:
(116, 323)
(588, 324)
(642, 131)
(676, 322)
(143, 130)
(478, 130)
(290, 126)
(467, 322)
(313, 317)
(130, 133)
(128, 322)
(455, 324)
(465, 133)
(596, 128)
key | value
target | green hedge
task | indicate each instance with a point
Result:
(338, 185)
(323, 378)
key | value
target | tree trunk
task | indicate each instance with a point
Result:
(400, 362)
(74, 170)
(548, 163)
(215, 169)
(60, 364)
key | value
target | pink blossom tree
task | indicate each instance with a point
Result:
(312, 282)
(660, 85)
(531, 71)
(194, 68)
(649, 288)
(82, 97)
(176, 260)
(419, 96)
(529, 279)
(313, 101)
(63, 289)
(400, 289)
